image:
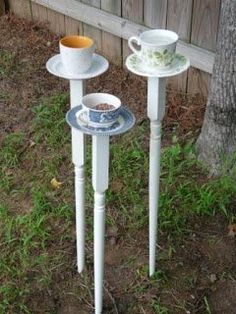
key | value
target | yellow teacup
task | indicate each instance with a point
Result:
(76, 53)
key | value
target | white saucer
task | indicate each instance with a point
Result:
(178, 65)
(124, 122)
(99, 66)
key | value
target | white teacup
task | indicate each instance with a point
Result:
(157, 47)
(101, 117)
(76, 53)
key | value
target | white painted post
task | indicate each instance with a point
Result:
(78, 158)
(100, 174)
(156, 111)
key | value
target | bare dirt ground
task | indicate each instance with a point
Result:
(200, 276)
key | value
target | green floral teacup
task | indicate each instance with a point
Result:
(157, 47)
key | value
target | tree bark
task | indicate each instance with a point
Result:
(216, 145)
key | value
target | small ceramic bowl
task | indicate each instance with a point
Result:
(100, 117)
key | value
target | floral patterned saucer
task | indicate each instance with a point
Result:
(179, 64)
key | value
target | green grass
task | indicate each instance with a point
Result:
(7, 63)
(10, 156)
(25, 241)
(29, 240)
(159, 308)
(10, 151)
(182, 194)
(129, 168)
(49, 125)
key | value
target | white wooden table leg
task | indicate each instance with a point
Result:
(100, 184)
(156, 110)
(78, 158)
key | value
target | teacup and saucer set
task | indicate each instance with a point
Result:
(101, 114)
(98, 113)
(77, 59)
(157, 55)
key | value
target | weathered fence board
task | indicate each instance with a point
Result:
(204, 33)
(205, 23)
(92, 31)
(73, 26)
(155, 12)
(39, 13)
(111, 45)
(2, 7)
(122, 28)
(179, 15)
(22, 8)
(132, 10)
(58, 25)
(112, 22)
(198, 82)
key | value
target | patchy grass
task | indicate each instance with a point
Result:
(10, 156)
(25, 244)
(159, 308)
(183, 195)
(37, 234)
(7, 63)
(31, 242)
(49, 125)
(10, 151)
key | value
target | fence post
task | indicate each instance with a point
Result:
(2, 7)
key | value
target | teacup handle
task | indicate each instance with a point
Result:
(82, 111)
(137, 41)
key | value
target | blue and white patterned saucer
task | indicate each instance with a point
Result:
(124, 122)
(179, 64)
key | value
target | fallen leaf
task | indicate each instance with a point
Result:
(9, 172)
(232, 230)
(31, 143)
(56, 184)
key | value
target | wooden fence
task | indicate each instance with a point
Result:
(112, 22)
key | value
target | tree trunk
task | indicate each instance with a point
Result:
(216, 145)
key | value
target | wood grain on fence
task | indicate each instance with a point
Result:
(112, 22)
(204, 33)
(58, 25)
(2, 7)
(22, 8)
(179, 20)
(91, 31)
(111, 45)
(73, 26)
(155, 13)
(39, 13)
(132, 10)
